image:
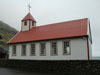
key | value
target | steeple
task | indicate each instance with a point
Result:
(28, 22)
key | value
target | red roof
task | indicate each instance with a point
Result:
(68, 29)
(28, 17)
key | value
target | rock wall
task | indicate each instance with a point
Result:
(55, 67)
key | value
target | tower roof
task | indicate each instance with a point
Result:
(29, 17)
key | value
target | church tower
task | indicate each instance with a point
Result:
(28, 22)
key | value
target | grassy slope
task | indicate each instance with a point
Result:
(6, 32)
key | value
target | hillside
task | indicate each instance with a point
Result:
(6, 32)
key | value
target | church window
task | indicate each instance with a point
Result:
(23, 50)
(42, 49)
(33, 49)
(14, 50)
(66, 48)
(53, 48)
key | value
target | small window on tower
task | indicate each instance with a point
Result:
(25, 23)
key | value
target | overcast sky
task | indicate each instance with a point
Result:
(52, 11)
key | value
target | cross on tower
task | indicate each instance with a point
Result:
(29, 7)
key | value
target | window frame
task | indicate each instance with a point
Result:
(13, 50)
(56, 48)
(22, 54)
(69, 47)
(31, 49)
(44, 50)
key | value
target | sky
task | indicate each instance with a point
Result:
(53, 11)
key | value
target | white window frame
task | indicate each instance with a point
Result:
(33, 49)
(14, 49)
(22, 51)
(52, 51)
(41, 46)
(66, 45)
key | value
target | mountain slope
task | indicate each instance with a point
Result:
(6, 32)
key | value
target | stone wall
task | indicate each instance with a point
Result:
(55, 67)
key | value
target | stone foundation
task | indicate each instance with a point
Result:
(55, 67)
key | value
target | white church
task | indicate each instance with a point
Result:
(70, 40)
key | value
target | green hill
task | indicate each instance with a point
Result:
(6, 32)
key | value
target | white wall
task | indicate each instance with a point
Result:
(78, 51)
